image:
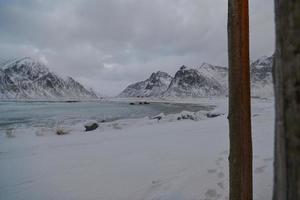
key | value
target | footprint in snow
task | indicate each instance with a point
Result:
(219, 161)
(156, 182)
(224, 153)
(211, 193)
(221, 175)
(268, 159)
(212, 171)
(221, 185)
(260, 169)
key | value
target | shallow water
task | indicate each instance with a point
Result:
(51, 114)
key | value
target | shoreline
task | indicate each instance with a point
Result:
(212, 106)
(109, 121)
(176, 160)
(128, 99)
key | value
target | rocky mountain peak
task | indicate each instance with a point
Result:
(24, 68)
(183, 67)
(193, 82)
(157, 75)
(204, 80)
(155, 85)
(26, 78)
(261, 76)
(264, 61)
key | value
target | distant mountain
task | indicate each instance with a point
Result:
(206, 81)
(154, 86)
(261, 77)
(26, 78)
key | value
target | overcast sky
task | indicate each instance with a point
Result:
(107, 44)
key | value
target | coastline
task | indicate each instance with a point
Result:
(167, 160)
(171, 109)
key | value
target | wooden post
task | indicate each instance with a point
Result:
(287, 100)
(240, 158)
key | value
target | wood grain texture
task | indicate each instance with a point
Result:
(287, 93)
(240, 158)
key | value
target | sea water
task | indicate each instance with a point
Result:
(29, 114)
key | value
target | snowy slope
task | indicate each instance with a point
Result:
(154, 86)
(217, 72)
(261, 77)
(26, 78)
(208, 80)
(195, 83)
(205, 81)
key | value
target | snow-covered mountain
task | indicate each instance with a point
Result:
(26, 78)
(204, 81)
(154, 86)
(261, 77)
(209, 80)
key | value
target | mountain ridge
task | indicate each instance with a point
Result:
(154, 86)
(209, 80)
(25, 78)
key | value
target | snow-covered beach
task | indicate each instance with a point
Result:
(137, 159)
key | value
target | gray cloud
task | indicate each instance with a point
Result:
(107, 44)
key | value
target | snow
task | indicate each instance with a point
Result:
(195, 82)
(154, 86)
(26, 78)
(145, 159)
(214, 72)
(204, 81)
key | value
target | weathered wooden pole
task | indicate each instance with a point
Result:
(287, 103)
(240, 158)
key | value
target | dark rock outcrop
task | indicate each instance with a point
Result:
(91, 126)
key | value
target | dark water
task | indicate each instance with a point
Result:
(49, 114)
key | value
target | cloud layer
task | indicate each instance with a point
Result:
(107, 44)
